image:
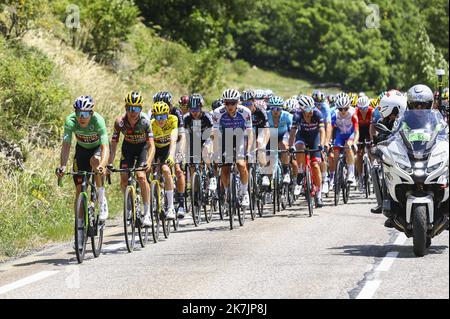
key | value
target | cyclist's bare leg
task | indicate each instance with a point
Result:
(317, 175)
(359, 160)
(145, 188)
(168, 180)
(242, 168)
(181, 181)
(123, 181)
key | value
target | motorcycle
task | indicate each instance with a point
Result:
(415, 161)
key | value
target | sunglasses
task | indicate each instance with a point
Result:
(83, 114)
(276, 109)
(135, 109)
(195, 110)
(247, 104)
(161, 117)
(308, 110)
(230, 102)
(343, 110)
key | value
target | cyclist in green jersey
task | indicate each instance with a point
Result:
(92, 149)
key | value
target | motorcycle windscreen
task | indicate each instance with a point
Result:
(419, 130)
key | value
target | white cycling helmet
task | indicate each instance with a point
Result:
(291, 105)
(419, 97)
(363, 103)
(231, 95)
(393, 102)
(306, 103)
(341, 94)
(343, 102)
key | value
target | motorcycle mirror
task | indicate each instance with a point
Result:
(381, 128)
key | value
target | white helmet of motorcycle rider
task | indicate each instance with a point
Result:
(393, 102)
(420, 97)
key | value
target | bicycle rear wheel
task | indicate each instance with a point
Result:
(309, 191)
(155, 210)
(345, 185)
(81, 227)
(129, 218)
(366, 172)
(252, 192)
(164, 221)
(142, 231)
(241, 210)
(207, 199)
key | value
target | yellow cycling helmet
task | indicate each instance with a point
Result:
(160, 108)
(374, 103)
(134, 99)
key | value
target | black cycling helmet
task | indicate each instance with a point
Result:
(216, 104)
(196, 102)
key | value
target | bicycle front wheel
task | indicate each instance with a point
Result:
(97, 240)
(129, 218)
(155, 210)
(195, 198)
(81, 226)
(337, 183)
(309, 191)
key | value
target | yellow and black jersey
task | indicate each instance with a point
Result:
(162, 135)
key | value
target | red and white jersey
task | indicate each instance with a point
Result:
(345, 124)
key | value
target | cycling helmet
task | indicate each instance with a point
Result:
(275, 101)
(306, 103)
(134, 99)
(374, 103)
(84, 103)
(268, 93)
(420, 96)
(393, 102)
(196, 102)
(231, 95)
(259, 94)
(247, 95)
(343, 102)
(184, 100)
(291, 105)
(163, 96)
(318, 96)
(363, 103)
(361, 94)
(331, 99)
(342, 94)
(216, 104)
(160, 108)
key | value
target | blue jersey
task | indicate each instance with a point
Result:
(324, 107)
(376, 116)
(284, 123)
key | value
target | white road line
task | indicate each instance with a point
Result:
(369, 289)
(371, 286)
(28, 280)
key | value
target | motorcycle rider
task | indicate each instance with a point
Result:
(392, 106)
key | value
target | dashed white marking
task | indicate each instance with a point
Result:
(369, 289)
(26, 281)
(371, 286)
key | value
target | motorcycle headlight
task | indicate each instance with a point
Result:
(405, 168)
(431, 169)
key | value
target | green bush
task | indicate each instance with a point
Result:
(16, 16)
(104, 25)
(240, 67)
(30, 93)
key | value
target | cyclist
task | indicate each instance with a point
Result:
(183, 104)
(323, 106)
(308, 131)
(198, 126)
(345, 125)
(165, 134)
(392, 105)
(260, 99)
(233, 116)
(166, 97)
(364, 114)
(282, 121)
(259, 121)
(92, 148)
(138, 148)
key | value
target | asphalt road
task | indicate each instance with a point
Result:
(341, 252)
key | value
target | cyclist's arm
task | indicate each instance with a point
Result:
(105, 155)
(250, 140)
(323, 136)
(173, 142)
(355, 127)
(292, 134)
(114, 141)
(151, 151)
(65, 151)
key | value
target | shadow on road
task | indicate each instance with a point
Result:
(381, 250)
